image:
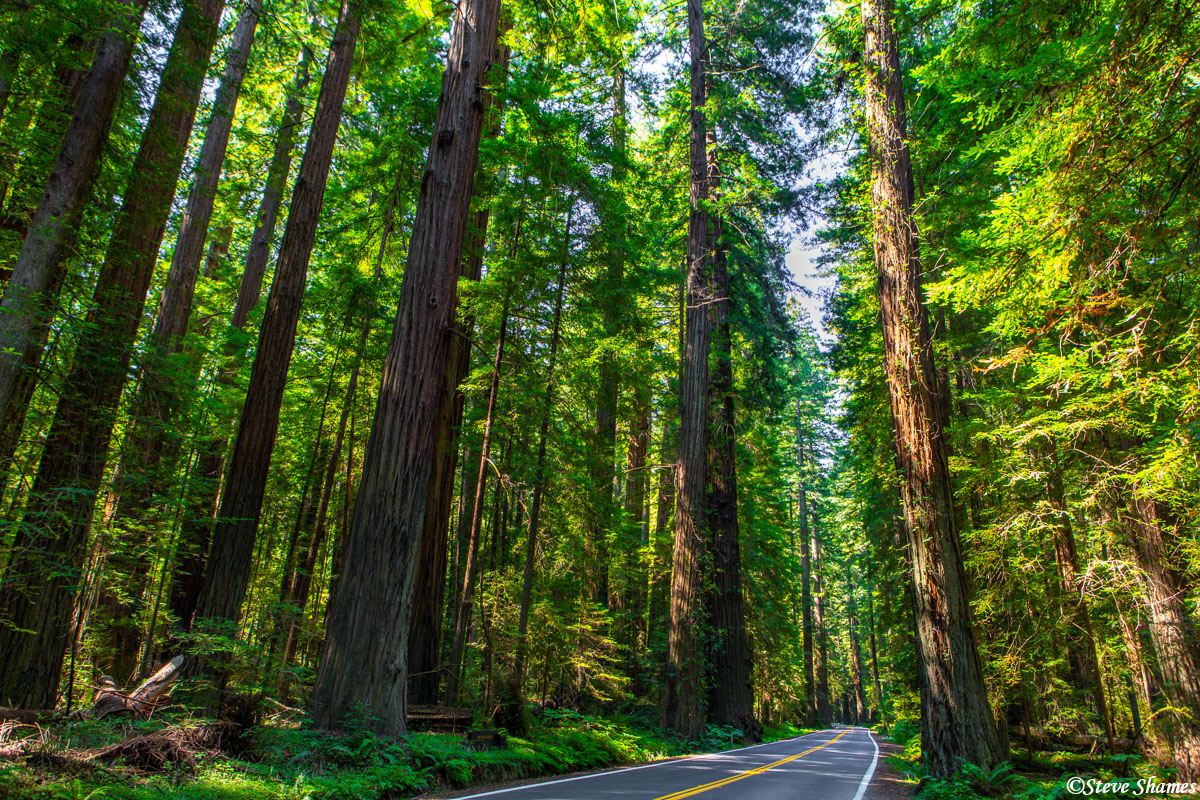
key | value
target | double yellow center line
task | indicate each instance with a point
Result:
(749, 773)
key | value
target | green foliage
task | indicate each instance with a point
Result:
(298, 763)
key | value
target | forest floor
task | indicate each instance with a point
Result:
(191, 759)
(280, 760)
(888, 783)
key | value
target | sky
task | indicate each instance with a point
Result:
(801, 262)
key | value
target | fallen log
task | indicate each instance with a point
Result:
(438, 719)
(143, 700)
(1073, 742)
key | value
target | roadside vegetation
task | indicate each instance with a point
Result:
(284, 758)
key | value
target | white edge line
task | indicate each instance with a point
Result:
(866, 779)
(647, 766)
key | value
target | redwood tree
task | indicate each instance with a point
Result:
(956, 722)
(196, 527)
(731, 699)
(32, 289)
(365, 659)
(59, 514)
(683, 700)
(231, 554)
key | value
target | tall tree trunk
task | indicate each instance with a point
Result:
(820, 634)
(731, 700)
(228, 568)
(424, 645)
(72, 466)
(301, 581)
(806, 594)
(539, 474)
(151, 439)
(152, 442)
(683, 685)
(365, 658)
(956, 722)
(1082, 653)
(471, 571)
(1153, 534)
(31, 293)
(191, 552)
(856, 664)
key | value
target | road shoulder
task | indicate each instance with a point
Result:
(887, 783)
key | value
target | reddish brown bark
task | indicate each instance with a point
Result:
(227, 570)
(424, 646)
(365, 660)
(731, 700)
(1153, 533)
(956, 722)
(683, 698)
(63, 497)
(31, 293)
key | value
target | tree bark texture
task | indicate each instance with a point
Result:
(30, 296)
(683, 692)
(227, 571)
(424, 645)
(957, 724)
(195, 535)
(365, 658)
(731, 699)
(63, 497)
(161, 392)
(1153, 534)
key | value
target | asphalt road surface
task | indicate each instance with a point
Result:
(834, 764)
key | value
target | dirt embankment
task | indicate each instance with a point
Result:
(887, 783)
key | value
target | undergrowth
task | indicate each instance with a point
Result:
(294, 762)
(1029, 776)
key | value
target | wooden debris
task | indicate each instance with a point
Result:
(143, 700)
(438, 719)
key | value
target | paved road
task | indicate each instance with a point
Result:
(833, 764)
